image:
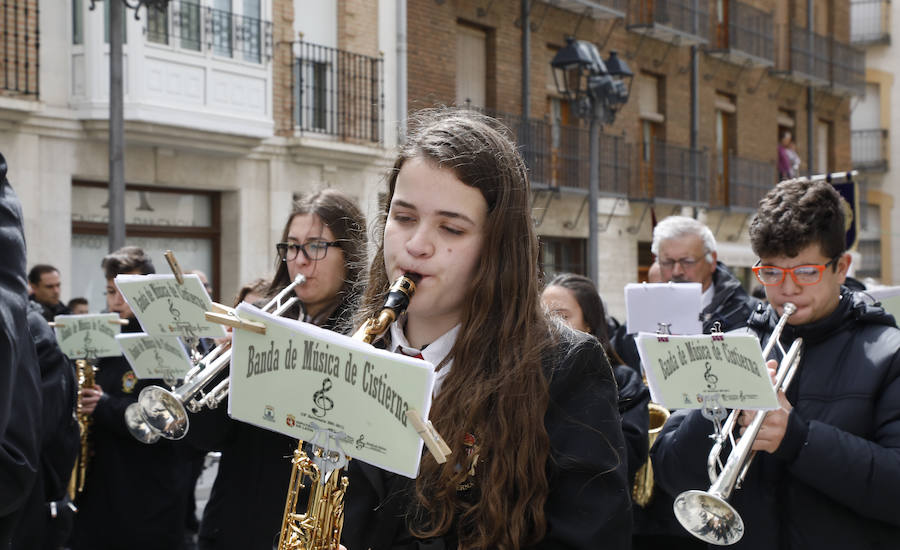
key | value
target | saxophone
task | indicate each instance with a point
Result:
(320, 527)
(84, 372)
(642, 491)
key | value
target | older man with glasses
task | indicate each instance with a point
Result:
(827, 471)
(685, 251)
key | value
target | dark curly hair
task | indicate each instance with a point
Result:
(796, 214)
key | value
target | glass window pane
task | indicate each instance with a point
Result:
(143, 207)
(77, 22)
(158, 25)
(88, 251)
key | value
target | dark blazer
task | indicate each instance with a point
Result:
(60, 441)
(834, 480)
(20, 393)
(589, 502)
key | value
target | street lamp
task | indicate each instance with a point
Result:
(116, 202)
(597, 90)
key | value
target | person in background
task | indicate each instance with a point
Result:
(324, 239)
(43, 280)
(827, 468)
(685, 250)
(134, 492)
(78, 306)
(20, 375)
(47, 519)
(574, 300)
(253, 292)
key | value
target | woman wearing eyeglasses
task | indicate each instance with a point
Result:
(324, 239)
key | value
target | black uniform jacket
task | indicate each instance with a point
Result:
(588, 506)
(49, 312)
(135, 493)
(59, 436)
(20, 397)
(246, 506)
(834, 480)
(634, 397)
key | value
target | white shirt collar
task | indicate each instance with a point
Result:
(434, 352)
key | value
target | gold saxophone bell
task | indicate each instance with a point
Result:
(320, 527)
(642, 491)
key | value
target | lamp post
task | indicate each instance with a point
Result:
(116, 202)
(596, 90)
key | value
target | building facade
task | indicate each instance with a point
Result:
(716, 85)
(233, 107)
(871, 123)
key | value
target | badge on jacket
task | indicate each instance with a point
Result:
(129, 380)
(470, 446)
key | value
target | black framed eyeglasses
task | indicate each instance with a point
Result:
(803, 275)
(312, 251)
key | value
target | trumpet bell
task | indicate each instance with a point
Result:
(138, 427)
(709, 518)
(164, 412)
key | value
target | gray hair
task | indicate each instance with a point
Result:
(681, 226)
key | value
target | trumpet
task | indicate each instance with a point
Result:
(160, 412)
(707, 514)
(320, 527)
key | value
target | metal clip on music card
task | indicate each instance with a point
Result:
(330, 455)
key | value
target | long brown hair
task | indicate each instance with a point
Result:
(342, 216)
(496, 389)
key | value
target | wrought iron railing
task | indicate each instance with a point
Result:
(848, 67)
(190, 26)
(748, 182)
(338, 93)
(673, 173)
(810, 54)
(19, 47)
(870, 21)
(750, 30)
(558, 156)
(689, 17)
(869, 149)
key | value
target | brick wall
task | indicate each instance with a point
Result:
(19, 48)
(358, 26)
(758, 95)
(282, 66)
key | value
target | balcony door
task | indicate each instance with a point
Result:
(722, 24)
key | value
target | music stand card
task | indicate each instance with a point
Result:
(155, 356)
(299, 380)
(88, 336)
(889, 298)
(687, 372)
(676, 304)
(166, 308)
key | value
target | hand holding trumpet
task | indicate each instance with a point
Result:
(775, 425)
